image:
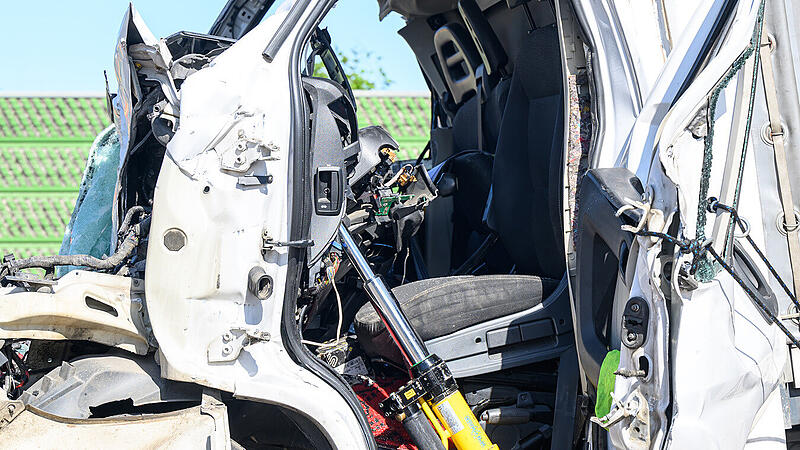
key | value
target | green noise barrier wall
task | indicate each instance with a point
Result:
(45, 140)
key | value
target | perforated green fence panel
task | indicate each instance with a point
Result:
(44, 142)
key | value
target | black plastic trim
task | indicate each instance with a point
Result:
(598, 244)
(754, 279)
(300, 207)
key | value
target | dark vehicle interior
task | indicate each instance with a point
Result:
(480, 271)
(506, 231)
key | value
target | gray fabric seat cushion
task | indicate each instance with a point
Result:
(441, 306)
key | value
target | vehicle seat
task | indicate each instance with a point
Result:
(496, 85)
(473, 322)
(524, 206)
(465, 133)
(472, 169)
(455, 302)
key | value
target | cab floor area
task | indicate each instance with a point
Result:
(389, 433)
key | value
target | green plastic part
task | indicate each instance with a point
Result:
(388, 202)
(605, 385)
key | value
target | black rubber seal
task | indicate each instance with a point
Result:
(300, 207)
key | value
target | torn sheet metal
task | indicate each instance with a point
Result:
(223, 224)
(204, 426)
(138, 50)
(73, 389)
(138, 54)
(642, 384)
(726, 360)
(91, 306)
(235, 124)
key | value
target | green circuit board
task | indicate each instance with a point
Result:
(386, 203)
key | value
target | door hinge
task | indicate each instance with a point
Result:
(269, 244)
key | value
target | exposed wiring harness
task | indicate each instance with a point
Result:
(14, 372)
(330, 274)
(404, 171)
(132, 235)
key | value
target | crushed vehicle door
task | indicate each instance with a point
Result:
(222, 198)
(682, 324)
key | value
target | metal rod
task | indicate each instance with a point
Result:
(385, 303)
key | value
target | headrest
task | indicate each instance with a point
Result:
(538, 63)
(489, 47)
(457, 59)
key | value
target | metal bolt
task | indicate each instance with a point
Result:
(635, 307)
(227, 337)
(11, 409)
(227, 350)
(631, 336)
(49, 360)
(771, 42)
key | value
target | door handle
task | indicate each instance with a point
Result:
(328, 191)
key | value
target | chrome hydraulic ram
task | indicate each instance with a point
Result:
(387, 306)
(432, 388)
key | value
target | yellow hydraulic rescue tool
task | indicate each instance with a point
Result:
(431, 398)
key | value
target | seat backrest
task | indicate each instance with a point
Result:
(494, 59)
(524, 207)
(489, 47)
(465, 133)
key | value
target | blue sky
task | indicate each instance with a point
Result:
(60, 45)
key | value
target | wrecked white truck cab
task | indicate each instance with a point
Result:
(214, 291)
(597, 249)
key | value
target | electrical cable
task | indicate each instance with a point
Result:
(422, 154)
(396, 177)
(124, 251)
(405, 264)
(699, 250)
(331, 272)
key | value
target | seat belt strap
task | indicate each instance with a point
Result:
(781, 163)
(480, 75)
